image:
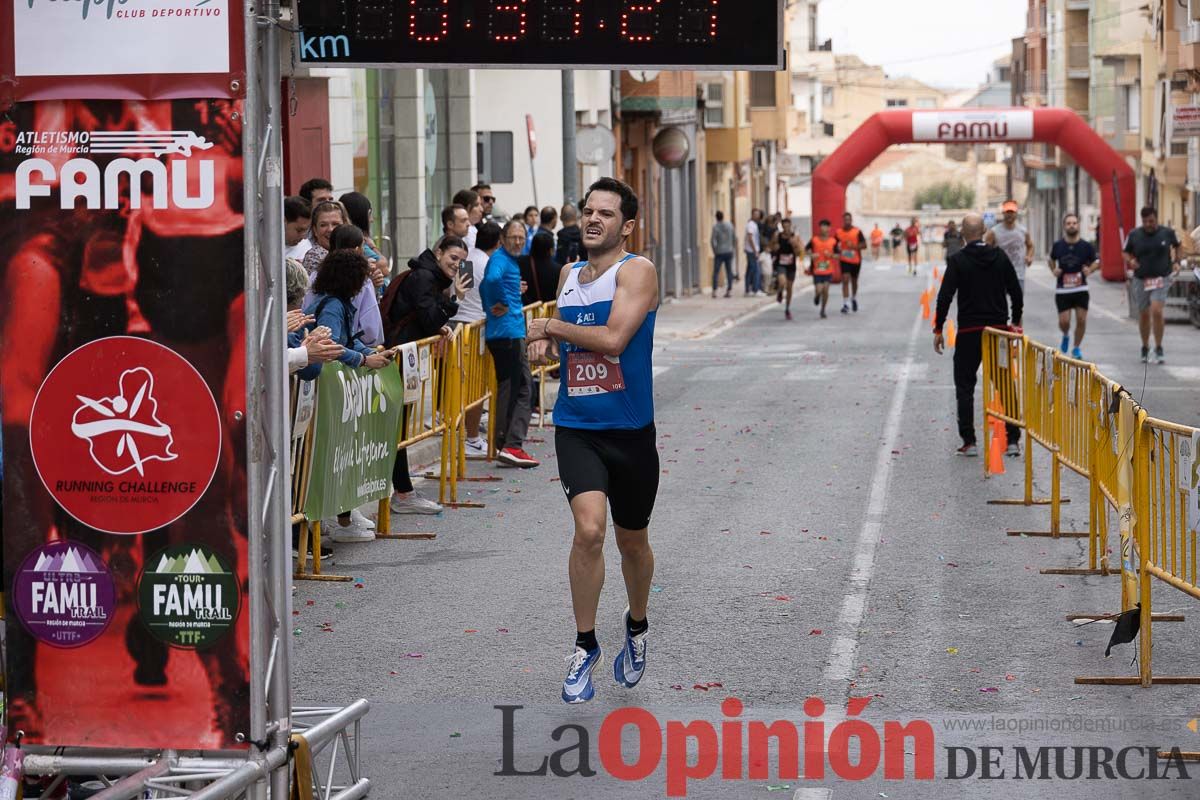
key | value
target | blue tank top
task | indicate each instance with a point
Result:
(600, 392)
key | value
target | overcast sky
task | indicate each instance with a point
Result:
(948, 43)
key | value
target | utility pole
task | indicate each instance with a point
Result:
(570, 170)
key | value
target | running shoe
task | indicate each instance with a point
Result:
(816, 299)
(823, 314)
(1159, 358)
(1013, 450)
(413, 503)
(516, 457)
(630, 664)
(968, 450)
(787, 315)
(845, 308)
(1076, 353)
(1145, 355)
(348, 534)
(578, 688)
(476, 448)
(854, 304)
(1065, 344)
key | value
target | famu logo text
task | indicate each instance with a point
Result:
(183, 185)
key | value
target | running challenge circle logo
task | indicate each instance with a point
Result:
(125, 435)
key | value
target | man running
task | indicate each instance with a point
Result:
(876, 241)
(897, 238)
(823, 249)
(1072, 259)
(912, 241)
(1011, 237)
(604, 424)
(1151, 262)
(851, 244)
(785, 265)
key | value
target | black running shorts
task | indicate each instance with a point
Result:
(851, 269)
(1066, 302)
(621, 463)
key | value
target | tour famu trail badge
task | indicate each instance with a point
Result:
(187, 596)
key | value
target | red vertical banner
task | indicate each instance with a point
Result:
(124, 552)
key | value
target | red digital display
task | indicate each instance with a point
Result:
(575, 33)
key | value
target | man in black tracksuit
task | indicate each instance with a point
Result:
(981, 275)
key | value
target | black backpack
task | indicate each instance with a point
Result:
(392, 331)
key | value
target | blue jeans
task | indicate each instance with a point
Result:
(727, 260)
(753, 274)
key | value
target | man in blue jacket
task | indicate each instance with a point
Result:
(504, 330)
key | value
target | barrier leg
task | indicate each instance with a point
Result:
(1028, 499)
(1096, 533)
(1056, 500)
(315, 575)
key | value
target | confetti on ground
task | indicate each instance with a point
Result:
(815, 632)
(989, 689)
(952, 651)
(471, 630)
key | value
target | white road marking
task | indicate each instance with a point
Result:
(660, 370)
(1183, 373)
(845, 644)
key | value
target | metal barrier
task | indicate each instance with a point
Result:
(1044, 401)
(1004, 356)
(427, 417)
(475, 385)
(546, 310)
(1164, 465)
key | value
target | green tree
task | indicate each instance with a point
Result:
(946, 195)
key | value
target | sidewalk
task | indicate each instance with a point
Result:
(701, 314)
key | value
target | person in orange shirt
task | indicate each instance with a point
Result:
(876, 241)
(823, 249)
(851, 244)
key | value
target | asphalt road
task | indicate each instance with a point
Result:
(815, 537)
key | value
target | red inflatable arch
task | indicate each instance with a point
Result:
(1058, 126)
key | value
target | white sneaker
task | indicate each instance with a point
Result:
(361, 520)
(348, 534)
(413, 503)
(476, 448)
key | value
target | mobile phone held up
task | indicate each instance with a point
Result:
(466, 268)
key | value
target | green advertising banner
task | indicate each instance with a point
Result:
(358, 420)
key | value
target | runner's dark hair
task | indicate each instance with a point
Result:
(346, 237)
(342, 274)
(629, 199)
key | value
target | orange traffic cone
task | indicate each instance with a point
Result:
(951, 335)
(935, 273)
(925, 313)
(999, 439)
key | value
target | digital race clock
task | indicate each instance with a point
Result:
(598, 34)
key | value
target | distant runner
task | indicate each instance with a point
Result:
(897, 238)
(1011, 237)
(876, 241)
(785, 265)
(851, 244)
(823, 249)
(604, 424)
(1151, 263)
(912, 241)
(1072, 259)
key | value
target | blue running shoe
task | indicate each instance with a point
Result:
(631, 661)
(1077, 354)
(578, 688)
(1065, 344)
